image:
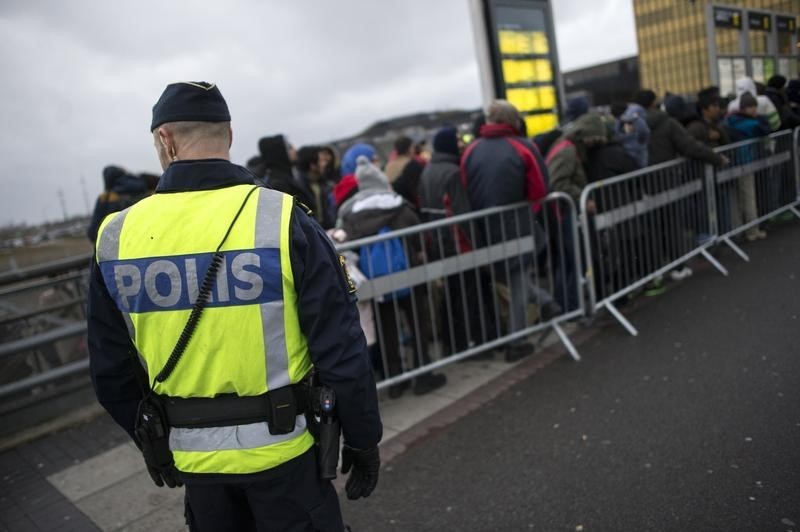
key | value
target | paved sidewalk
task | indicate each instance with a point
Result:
(694, 425)
(591, 441)
(91, 477)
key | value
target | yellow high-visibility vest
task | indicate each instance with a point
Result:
(153, 257)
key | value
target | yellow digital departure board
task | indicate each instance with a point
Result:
(528, 77)
(523, 42)
(526, 70)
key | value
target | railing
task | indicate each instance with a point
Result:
(486, 280)
(78, 262)
(759, 183)
(473, 283)
(640, 226)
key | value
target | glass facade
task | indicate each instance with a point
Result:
(673, 40)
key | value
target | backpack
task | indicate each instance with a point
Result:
(383, 258)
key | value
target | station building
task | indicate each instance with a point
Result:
(686, 45)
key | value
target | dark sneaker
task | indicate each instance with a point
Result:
(519, 351)
(550, 311)
(396, 390)
(654, 287)
(428, 383)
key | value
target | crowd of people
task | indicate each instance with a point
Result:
(496, 164)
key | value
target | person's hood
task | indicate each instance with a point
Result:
(489, 131)
(632, 112)
(349, 158)
(369, 210)
(369, 176)
(587, 127)
(129, 184)
(274, 153)
(110, 175)
(745, 84)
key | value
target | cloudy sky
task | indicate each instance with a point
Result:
(80, 78)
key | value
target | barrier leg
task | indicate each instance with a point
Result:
(567, 343)
(736, 248)
(795, 211)
(620, 318)
(714, 262)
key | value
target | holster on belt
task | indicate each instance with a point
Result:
(326, 428)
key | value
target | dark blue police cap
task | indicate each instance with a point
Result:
(190, 101)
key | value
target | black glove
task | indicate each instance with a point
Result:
(152, 437)
(365, 466)
(166, 475)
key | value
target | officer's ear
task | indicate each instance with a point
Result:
(167, 141)
(230, 136)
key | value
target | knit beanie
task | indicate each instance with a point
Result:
(675, 106)
(446, 141)
(576, 107)
(350, 156)
(111, 174)
(370, 176)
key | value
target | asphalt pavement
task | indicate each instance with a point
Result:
(694, 425)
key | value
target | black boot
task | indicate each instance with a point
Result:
(396, 390)
(429, 382)
(516, 352)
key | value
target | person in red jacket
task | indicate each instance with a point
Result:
(501, 168)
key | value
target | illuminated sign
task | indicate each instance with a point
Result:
(785, 24)
(527, 73)
(759, 21)
(727, 18)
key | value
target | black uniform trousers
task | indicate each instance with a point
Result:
(290, 498)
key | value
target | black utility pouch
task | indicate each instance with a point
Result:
(283, 407)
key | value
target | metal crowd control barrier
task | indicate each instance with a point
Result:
(759, 183)
(78, 262)
(42, 324)
(466, 284)
(639, 226)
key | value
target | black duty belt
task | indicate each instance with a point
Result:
(226, 410)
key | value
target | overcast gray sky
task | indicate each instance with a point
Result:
(80, 78)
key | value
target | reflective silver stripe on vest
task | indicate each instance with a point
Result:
(236, 437)
(268, 235)
(108, 247)
(108, 250)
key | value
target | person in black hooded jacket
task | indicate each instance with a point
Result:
(776, 92)
(668, 138)
(278, 171)
(442, 195)
(121, 191)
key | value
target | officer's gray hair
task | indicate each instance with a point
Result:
(502, 112)
(200, 130)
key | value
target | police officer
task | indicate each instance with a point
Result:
(210, 303)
